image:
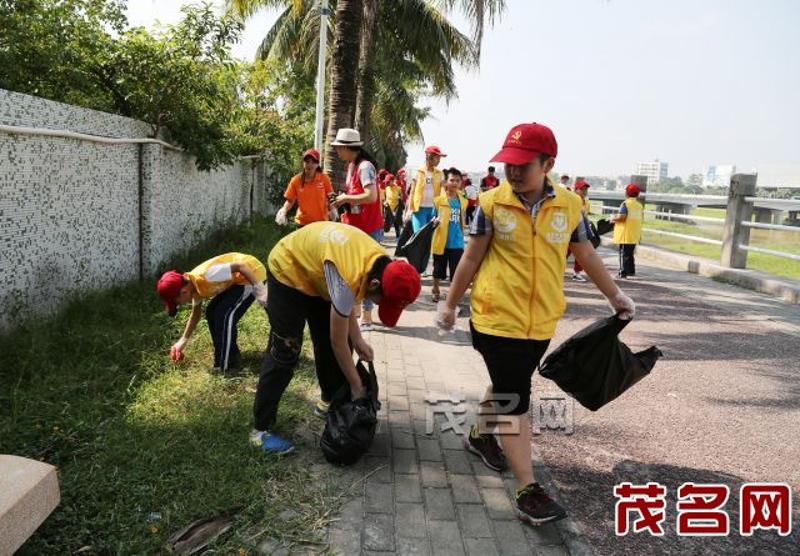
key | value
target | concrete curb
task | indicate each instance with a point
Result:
(784, 289)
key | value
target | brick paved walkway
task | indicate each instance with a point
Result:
(424, 493)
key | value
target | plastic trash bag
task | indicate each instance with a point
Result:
(604, 226)
(350, 425)
(595, 367)
(595, 237)
(418, 248)
(405, 234)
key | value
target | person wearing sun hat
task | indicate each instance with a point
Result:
(628, 230)
(517, 255)
(426, 186)
(231, 281)
(318, 275)
(310, 190)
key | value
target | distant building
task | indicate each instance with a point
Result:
(655, 171)
(718, 176)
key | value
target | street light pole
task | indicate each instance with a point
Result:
(323, 39)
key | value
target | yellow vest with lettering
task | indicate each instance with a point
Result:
(442, 206)
(297, 260)
(630, 230)
(437, 176)
(518, 290)
(207, 290)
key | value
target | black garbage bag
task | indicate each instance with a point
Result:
(405, 234)
(604, 226)
(595, 367)
(418, 248)
(595, 237)
(350, 425)
(388, 218)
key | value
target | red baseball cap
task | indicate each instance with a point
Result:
(401, 286)
(169, 287)
(581, 184)
(525, 142)
(313, 153)
(632, 190)
(433, 149)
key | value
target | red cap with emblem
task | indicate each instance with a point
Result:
(525, 142)
(401, 286)
(632, 190)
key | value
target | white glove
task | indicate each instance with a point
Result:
(280, 217)
(623, 304)
(260, 293)
(333, 214)
(445, 317)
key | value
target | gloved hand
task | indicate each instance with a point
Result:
(622, 304)
(260, 293)
(280, 217)
(445, 317)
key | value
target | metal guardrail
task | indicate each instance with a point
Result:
(781, 254)
(765, 226)
(673, 216)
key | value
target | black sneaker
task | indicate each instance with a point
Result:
(485, 446)
(535, 507)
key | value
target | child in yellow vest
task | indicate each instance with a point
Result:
(628, 230)
(448, 238)
(394, 200)
(319, 275)
(232, 281)
(517, 256)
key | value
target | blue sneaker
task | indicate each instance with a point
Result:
(271, 442)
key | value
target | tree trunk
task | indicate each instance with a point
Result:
(366, 71)
(344, 73)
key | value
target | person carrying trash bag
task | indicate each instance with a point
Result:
(517, 257)
(595, 367)
(231, 281)
(318, 274)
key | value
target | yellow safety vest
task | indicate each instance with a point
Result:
(442, 205)
(587, 206)
(518, 290)
(206, 289)
(298, 259)
(630, 230)
(393, 194)
(437, 176)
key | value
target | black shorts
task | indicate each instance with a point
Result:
(511, 363)
(450, 258)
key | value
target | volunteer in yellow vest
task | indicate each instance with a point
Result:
(232, 281)
(319, 274)
(582, 191)
(394, 200)
(628, 230)
(427, 185)
(517, 256)
(448, 237)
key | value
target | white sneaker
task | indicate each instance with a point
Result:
(366, 327)
(578, 277)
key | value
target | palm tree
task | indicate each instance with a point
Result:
(408, 49)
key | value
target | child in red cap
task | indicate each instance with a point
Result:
(232, 281)
(628, 230)
(517, 257)
(582, 190)
(318, 275)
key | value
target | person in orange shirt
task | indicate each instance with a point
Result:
(310, 190)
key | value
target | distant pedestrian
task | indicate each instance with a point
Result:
(628, 230)
(489, 181)
(310, 191)
(582, 190)
(471, 192)
(394, 202)
(448, 238)
(426, 186)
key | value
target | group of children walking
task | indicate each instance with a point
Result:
(520, 231)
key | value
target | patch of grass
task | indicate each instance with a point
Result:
(92, 391)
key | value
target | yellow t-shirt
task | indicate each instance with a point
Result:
(214, 275)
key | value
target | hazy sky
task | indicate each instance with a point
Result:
(620, 81)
